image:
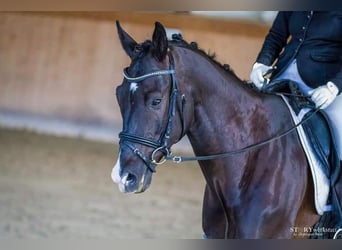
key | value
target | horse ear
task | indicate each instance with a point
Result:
(159, 41)
(127, 42)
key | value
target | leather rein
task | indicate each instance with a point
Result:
(162, 144)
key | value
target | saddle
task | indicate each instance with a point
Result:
(317, 127)
(319, 135)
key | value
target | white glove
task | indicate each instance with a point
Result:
(324, 95)
(257, 75)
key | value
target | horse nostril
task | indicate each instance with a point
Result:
(129, 179)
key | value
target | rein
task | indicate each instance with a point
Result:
(180, 159)
(162, 144)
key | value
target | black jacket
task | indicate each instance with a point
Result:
(313, 38)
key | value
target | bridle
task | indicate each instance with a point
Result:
(162, 144)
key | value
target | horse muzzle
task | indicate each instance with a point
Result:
(129, 182)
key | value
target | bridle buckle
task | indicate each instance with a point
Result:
(165, 153)
(177, 159)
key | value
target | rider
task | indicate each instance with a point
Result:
(306, 47)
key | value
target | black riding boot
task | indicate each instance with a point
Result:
(338, 189)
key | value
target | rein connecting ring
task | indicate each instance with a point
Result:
(165, 153)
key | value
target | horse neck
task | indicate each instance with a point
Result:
(225, 114)
(222, 104)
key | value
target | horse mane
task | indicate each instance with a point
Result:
(143, 48)
(178, 40)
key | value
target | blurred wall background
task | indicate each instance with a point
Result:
(58, 74)
(59, 71)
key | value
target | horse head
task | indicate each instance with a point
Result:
(149, 100)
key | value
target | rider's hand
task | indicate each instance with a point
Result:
(324, 95)
(259, 70)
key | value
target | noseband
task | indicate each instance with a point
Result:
(162, 144)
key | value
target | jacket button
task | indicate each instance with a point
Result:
(301, 39)
(303, 27)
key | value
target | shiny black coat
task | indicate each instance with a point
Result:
(313, 38)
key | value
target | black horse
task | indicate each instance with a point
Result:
(172, 89)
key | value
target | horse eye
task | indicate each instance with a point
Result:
(156, 102)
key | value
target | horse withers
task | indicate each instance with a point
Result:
(172, 89)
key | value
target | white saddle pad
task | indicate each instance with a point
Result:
(320, 180)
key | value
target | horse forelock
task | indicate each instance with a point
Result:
(142, 49)
(136, 67)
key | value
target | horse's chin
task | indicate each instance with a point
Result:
(139, 188)
(143, 184)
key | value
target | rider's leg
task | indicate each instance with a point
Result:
(334, 113)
